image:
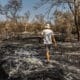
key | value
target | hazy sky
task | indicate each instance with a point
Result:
(28, 5)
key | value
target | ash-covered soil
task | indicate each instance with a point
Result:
(21, 61)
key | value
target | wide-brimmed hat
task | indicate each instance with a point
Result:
(47, 26)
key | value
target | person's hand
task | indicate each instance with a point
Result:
(56, 45)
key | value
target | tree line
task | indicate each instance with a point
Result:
(66, 22)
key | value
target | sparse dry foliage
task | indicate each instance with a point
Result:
(64, 21)
(74, 7)
(11, 9)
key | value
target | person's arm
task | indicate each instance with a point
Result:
(54, 40)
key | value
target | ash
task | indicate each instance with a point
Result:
(28, 62)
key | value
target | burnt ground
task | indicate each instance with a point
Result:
(23, 61)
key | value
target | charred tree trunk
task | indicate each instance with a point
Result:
(76, 8)
(77, 27)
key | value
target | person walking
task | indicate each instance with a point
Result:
(48, 40)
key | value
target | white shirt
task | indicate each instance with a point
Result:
(47, 36)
